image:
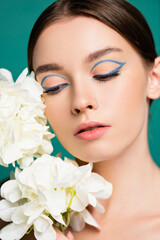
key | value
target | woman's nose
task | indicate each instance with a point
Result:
(83, 100)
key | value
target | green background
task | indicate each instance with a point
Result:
(16, 20)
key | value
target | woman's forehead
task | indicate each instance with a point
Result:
(78, 37)
(81, 29)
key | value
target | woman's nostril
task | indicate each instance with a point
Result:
(82, 108)
(90, 106)
(77, 110)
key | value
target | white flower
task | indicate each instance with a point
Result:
(78, 220)
(23, 130)
(89, 188)
(46, 193)
(31, 199)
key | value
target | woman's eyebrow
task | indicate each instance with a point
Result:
(47, 68)
(100, 53)
(91, 57)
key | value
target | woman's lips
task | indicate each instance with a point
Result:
(90, 130)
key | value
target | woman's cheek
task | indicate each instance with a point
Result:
(56, 112)
(132, 112)
(51, 111)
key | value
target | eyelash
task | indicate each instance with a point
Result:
(106, 77)
(56, 89)
(100, 78)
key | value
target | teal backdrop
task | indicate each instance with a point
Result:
(16, 20)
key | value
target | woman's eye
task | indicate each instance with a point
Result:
(110, 66)
(56, 89)
(105, 77)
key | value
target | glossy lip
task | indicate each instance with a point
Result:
(90, 124)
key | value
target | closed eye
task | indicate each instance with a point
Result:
(56, 89)
(105, 77)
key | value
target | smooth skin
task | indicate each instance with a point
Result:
(122, 154)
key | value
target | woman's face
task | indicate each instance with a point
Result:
(92, 77)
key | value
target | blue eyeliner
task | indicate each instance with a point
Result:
(109, 60)
(53, 88)
(52, 75)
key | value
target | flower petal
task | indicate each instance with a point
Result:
(89, 219)
(42, 223)
(77, 222)
(23, 130)
(80, 200)
(48, 234)
(6, 75)
(26, 178)
(22, 76)
(29, 83)
(13, 231)
(100, 208)
(6, 210)
(18, 216)
(68, 160)
(25, 162)
(92, 200)
(98, 186)
(12, 154)
(11, 191)
(59, 219)
(32, 210)
(83, 172)
(56, 202)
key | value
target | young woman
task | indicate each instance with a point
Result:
(97, 64)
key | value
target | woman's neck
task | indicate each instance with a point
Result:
(135, 178)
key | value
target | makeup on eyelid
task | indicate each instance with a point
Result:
(107, 67)
(52, 80)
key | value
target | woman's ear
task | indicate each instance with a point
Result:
(153, 89)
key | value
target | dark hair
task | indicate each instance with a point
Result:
(120, 15)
